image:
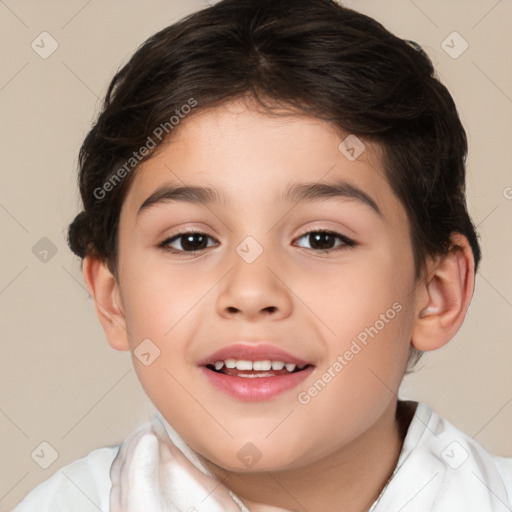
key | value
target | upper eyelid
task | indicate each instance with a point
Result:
(320, 230)
(301, 234)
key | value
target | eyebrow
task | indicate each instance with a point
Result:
(186, 194)
(317, 191)
(298, 192)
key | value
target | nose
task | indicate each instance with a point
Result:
(254, 291)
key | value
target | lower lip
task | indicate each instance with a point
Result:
(255, 389)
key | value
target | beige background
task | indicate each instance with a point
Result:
(60, 381)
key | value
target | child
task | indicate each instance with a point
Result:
(275, 226)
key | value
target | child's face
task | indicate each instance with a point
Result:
(313, 305)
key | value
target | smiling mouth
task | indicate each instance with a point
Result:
(255, 369)
(250, 373)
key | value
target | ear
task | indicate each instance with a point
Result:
(104, 290)
(443, 298)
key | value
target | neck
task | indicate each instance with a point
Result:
(353, 475)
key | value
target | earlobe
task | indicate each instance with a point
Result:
(443, 298)
(104, 290)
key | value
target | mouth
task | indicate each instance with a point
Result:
(253, 373)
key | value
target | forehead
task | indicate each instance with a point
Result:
(241, 152)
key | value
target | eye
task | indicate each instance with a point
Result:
(191, 241)
(195, 241)
(325, 241)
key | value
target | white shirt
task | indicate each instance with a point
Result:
(439, 469)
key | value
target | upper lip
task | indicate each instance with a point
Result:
(252, 352)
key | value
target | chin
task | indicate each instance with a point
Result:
(250, 459)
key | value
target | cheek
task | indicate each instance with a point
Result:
(156, 298)
(354, 297)
(369, 311)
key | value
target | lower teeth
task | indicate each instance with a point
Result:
(255, 375)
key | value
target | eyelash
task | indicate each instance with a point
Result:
(346, 243)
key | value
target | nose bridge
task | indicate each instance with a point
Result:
(252, 287)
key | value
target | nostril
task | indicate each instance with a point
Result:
(269, 309)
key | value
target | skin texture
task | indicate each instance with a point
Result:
(344, 443)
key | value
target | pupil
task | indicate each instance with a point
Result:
(321, 240)
(188, 242)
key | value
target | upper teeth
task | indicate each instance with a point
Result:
(265, 365)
